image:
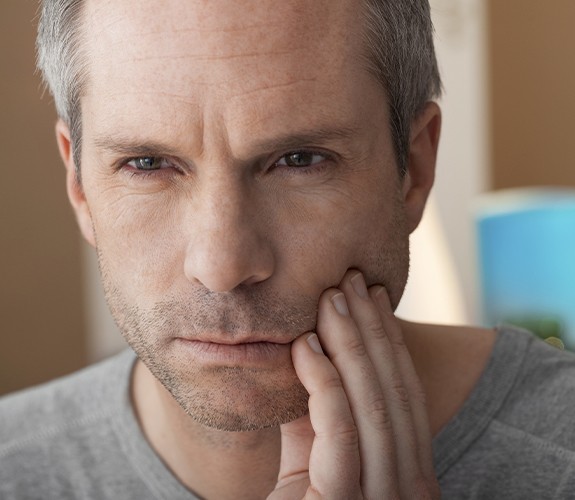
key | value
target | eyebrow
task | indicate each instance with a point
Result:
(135, 147)
(129, 147)
(314, 136)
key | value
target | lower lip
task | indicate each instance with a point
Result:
(254, 353)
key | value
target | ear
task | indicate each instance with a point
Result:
(73, 183)
(420, 174)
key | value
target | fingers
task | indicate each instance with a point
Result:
(345, 346)
(296, 442)
(366, 347)
(367, 409)
(381, 357)
(410, 380)
(334, 462)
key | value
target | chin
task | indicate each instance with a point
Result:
(261, 414)
(235, 399)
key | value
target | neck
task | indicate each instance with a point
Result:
(210, 462)
(449, 361)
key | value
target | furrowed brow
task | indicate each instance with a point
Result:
(107, 144)
(128, 147)
(311, 137)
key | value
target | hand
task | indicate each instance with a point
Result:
(367, 433)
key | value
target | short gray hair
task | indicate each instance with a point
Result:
(400, 54)
(408, 71)
(61, 61)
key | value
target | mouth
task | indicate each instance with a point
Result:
(236, 351)
(230, 339)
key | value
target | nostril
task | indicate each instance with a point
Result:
(221, 267)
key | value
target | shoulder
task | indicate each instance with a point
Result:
(63, 402)
(514, 437)
(541, 402)
(48, 431)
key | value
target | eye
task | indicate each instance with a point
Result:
(148, 163)
(301, 159)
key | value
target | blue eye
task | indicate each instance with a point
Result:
(301, 159)
(148, 163)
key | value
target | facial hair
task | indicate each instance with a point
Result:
(234, 398)
(229, 398)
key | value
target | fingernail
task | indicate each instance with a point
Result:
(313, 342)
(340, 304)
(358, 284)
(381, 295)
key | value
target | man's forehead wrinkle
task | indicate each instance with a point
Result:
(154, 43)
(212, 57)
(178, 74)
(232, 30)
(239, 45)
(157, 25)
(186, 99)
(171, 60)
(274, 87)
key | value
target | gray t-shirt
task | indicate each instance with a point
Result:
(78, 438)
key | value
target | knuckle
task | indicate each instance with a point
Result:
(344, 434)
(332, 382)
(398, 343)
(347, 436)
(356, 348)
(378, 412)
(400, 395)
(420, 395)
(376, 330)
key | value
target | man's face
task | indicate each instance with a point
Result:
(236, 161)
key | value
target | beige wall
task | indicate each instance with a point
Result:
(442, 286)
(41, 317)
(532, 53)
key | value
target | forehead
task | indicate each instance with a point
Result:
(265, 55)
(210, 34)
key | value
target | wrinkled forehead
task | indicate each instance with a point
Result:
(221, 40)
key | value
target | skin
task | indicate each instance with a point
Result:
(227, 242)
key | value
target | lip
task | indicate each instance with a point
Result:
(237, 340)
(252, 353)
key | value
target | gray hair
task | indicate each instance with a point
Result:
(408, 72)
(61, 61)
(400, 54)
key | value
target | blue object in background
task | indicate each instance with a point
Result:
(527, 260)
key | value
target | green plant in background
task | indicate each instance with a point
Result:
(549, 328)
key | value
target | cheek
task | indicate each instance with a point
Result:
(138, 243)
(315, 238)
(361, 232)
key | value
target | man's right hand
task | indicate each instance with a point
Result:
(367, 433)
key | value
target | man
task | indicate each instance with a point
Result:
(249, 174)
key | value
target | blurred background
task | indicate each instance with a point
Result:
(508, 111)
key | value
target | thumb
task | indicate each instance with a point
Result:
(296, 442)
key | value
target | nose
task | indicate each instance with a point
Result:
(229, 245)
